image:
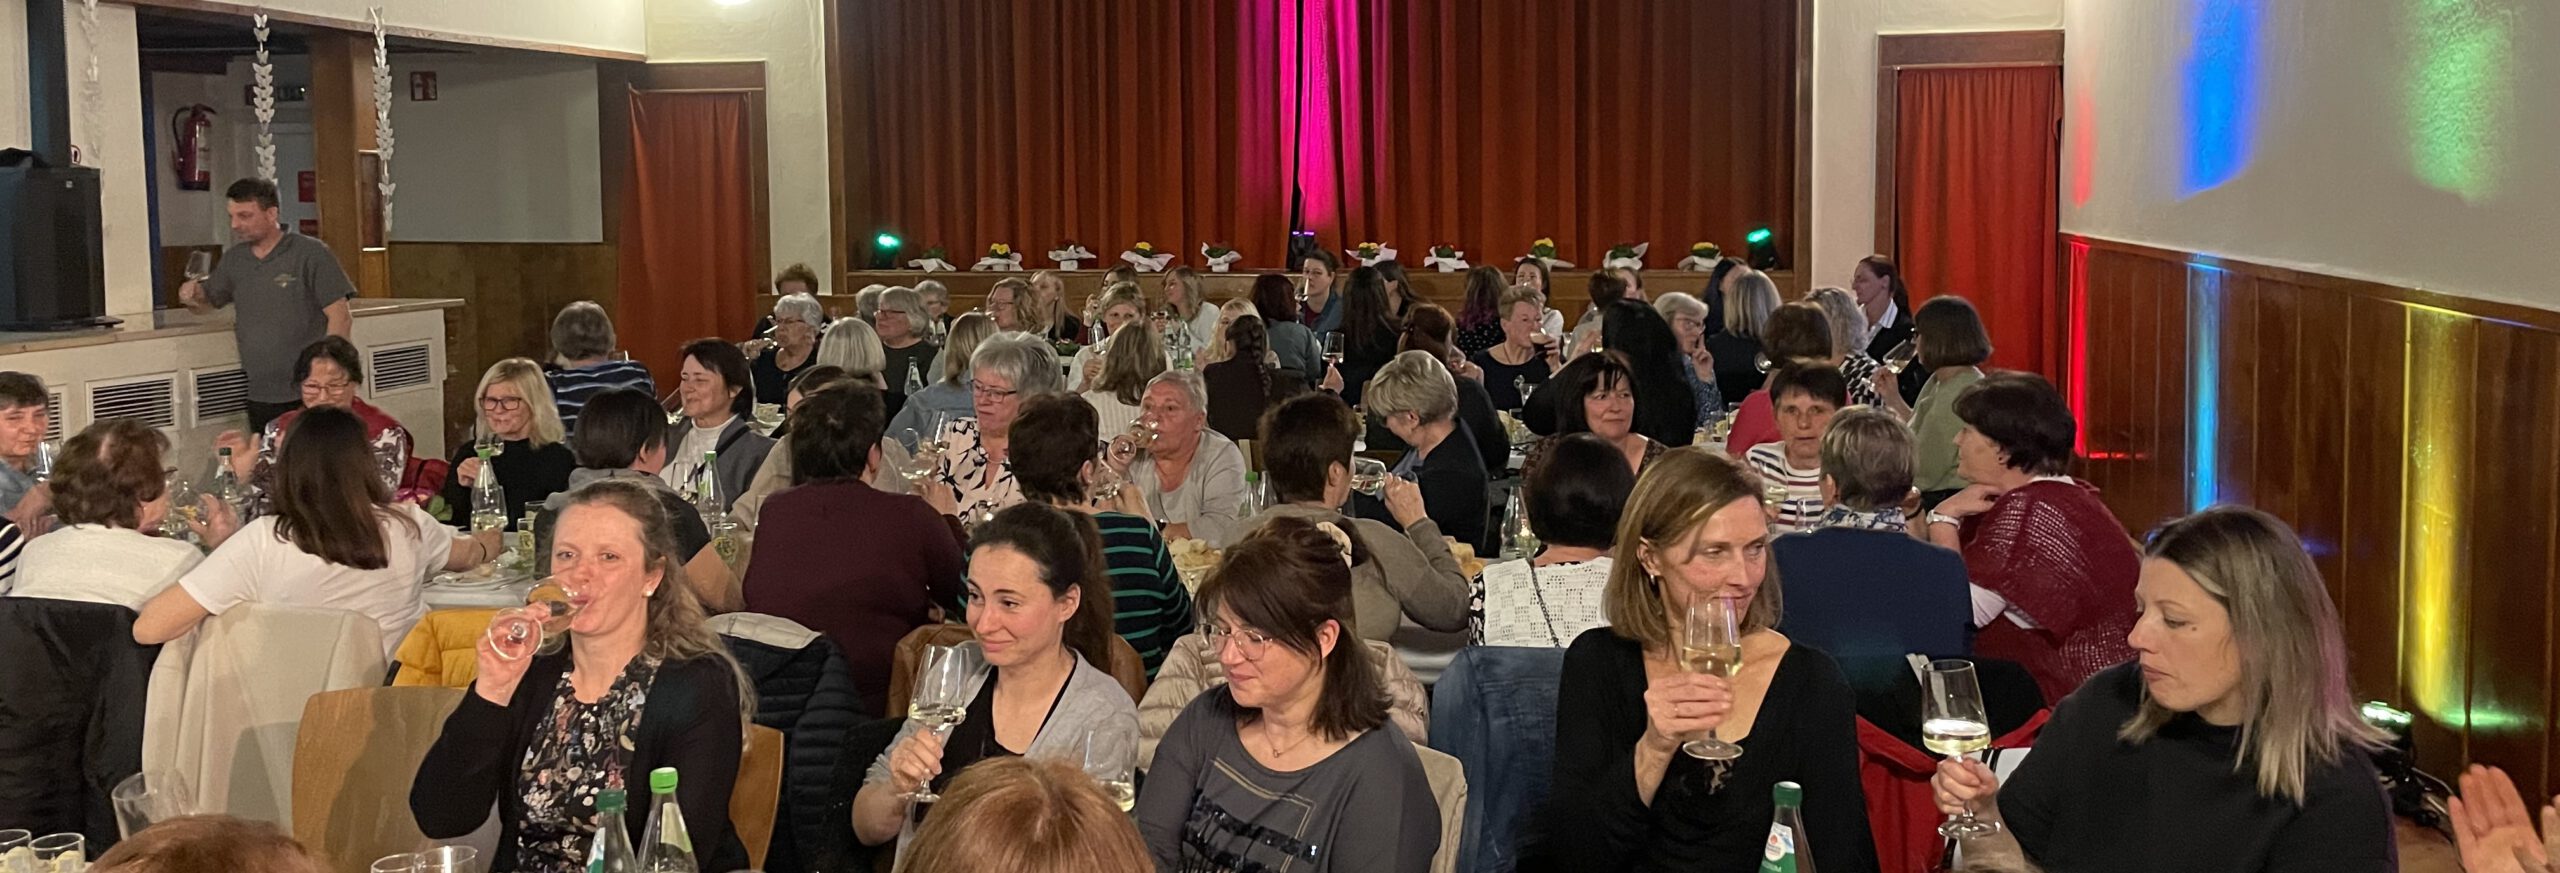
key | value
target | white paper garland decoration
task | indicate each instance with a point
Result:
(262, 102)
(382, 139)
(93, 152)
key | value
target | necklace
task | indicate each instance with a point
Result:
(1277, 751)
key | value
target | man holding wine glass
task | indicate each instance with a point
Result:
(290, 291)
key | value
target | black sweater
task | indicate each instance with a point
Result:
(2088, 801)
(690, 723)
(1806, 732)
(528, 475)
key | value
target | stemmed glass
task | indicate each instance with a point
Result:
(1953, 723)
(930, 446)
(1333, 348)
(1368, 476)
(1711, 643)
(199, 266)
(1107, 481)
(1111, 758)
(941, 701)
(1900, 357)
(183, 504)
(40, 468)
(516, 632)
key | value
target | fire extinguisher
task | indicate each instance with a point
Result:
(192, 131)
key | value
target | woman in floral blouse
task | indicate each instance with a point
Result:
(974, 479)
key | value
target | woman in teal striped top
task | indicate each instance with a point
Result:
(1055, 453)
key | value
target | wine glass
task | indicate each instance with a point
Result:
(405, 862)
(941, 701)
(516, 631)
(1368, 476)
(1106, 480)
(183, 505)
(448, 859)
(145, 799)
(40, 467)
(1711, 643)
(1760, 362)
(1333, 347)
(199, 266)
(1901, 356)
(1111, 758)
(1952, 723)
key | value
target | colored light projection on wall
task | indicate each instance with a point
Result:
(2460, 93)
(2436, 413)
(2204, 385)
(2222, 79)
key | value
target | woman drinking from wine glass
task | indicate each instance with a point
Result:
(528, 449)
(1627, 795)
(1525, 358)
(2232, 738)
(972, 478)
(1952, 345)
(910, 558)
(334, 539)
(1040, 612)
(1056, 462)
(1192, 478)
(641, 684)
(1293, 759)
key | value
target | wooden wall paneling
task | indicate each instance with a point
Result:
(2238, 421)
(2319, 450)
(2434, 653)
(511, 290)
(2167, 414)
(2513, 465)
(2369, 559)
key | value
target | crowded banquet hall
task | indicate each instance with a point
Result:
(1264, 436)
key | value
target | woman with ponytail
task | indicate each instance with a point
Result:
(1040, 606)
(1293, 762)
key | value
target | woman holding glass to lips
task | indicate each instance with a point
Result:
(1526, 357)
(1119, 306)
(1531, 273)
(533, 460)
(1625, 795)
(642, 683)
(2232, 742)
(1293, 759)
(1040, 614)
(791, 348)
(973, 478)
(1191, 477)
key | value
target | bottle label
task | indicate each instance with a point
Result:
(1780, 855)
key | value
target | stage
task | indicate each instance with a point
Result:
(1446, 289)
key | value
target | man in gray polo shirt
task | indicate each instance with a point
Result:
(290, 292)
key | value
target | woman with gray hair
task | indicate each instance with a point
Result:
(866, 302)
(1748, 300)
(1191, 476)
(852, 345)
(793, 347)
(935, 300)
(902, 324)
(971, 478)
(1849, 325)
(948, 396)
(1416, 398)
(1859, 586)
(1688, 318)
(582, 343)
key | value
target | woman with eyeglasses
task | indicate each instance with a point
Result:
(331, 374)
(975, 475)
(534, 460)
(792, 347)
(1292, 762)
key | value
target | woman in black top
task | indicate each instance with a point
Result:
(904, 349)
(2232, 743)
(643, 683)
(793, 346)
(1748, 300)
(1481, 315)
(1369, 328)
(1416, 399)
(534, 461)
(1666, 409)
(1624, 796)
(1524, 356)
(1245, 384)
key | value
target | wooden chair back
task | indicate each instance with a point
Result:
(756, 798)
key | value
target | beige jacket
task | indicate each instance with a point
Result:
(1190, 668)
(1409, 575)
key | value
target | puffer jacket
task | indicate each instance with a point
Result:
(443, 650)
(1192, 667)
(805, 690)
(71, 713)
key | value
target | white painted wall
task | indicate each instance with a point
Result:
(14, 131)
(506, 153)
(1844, 107)
(2334, 181)
(109, 137)
(789, 36)
(610, 25)
(197, 217)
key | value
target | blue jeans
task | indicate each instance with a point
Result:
(1494, 709)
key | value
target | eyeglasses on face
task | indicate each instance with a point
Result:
(1250, 643)
(501, 404)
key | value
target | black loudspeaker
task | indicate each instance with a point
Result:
(55, 277)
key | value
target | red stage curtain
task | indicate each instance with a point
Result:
(1178, 122)
(688, 228)
(1977, 196)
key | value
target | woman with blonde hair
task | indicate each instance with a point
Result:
(1220, 348)
(1133, 361)
(2233, 739)
(1749, 297)
(853, 345)
(1118, 306)
(1027, 816)
(643, 683)
(1045, 311)
(1848, 323)
(1625, 796)
(533, 458)
(1183, 301)
(949, 393)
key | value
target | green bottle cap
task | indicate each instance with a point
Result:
(611, 801)
(1785, 793)
(662, 780)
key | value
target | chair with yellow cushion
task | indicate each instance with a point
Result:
(444, 649)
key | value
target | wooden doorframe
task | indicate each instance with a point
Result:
(1896, 52)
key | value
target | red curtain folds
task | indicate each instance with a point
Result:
(1977, 196)
(1177, 122)
(688, 228)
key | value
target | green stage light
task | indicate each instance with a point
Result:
(1757, 236)
(887, 241)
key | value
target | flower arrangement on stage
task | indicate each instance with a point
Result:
(1145, 257)
(1069, 255)
(1702, 257)
(1544, 249)
(1625, 255)
(1370, 253)
(933, 261)
(1447, 258)
(1221, 256)
(1000, 258)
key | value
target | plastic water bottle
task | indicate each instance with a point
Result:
(670, 847)
(611, 851)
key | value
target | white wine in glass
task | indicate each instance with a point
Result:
(516, 632)
(1952, 723)
(1369, 476)
(1900, 358)
(1711, 643)
(940, 701)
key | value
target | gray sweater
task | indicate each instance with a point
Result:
(1208, 804)
(1092, 699)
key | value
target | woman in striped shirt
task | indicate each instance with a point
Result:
(1056, 460)
(1804, 396)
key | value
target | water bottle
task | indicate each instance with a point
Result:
(611, 851)
(488, 500)
(226, 483)
(1787, 851)
(670, 848)
(915, 379)
(715, 512)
